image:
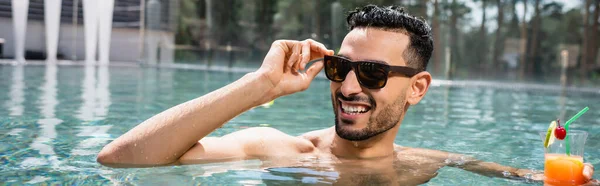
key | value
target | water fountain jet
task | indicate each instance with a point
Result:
(52, 10)
(106, 8)
(90, 23)
(19, 12)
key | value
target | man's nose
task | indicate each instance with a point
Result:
(350, 85)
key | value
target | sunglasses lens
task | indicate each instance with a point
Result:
(372, 75)
(336, 69)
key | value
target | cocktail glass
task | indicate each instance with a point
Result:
(562, 167)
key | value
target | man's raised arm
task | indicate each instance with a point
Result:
(165, 137)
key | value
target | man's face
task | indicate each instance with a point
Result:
(361, 113)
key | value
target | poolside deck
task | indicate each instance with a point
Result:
(435, 82)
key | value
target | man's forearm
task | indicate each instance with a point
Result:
(495, 170)
(490, 168)
(163, 138)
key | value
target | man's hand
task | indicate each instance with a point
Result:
(497, 170)
(588, 173)
(285, 62)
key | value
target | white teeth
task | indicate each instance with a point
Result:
(353, 109)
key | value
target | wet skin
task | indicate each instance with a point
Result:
(405, 166)
(360, 146)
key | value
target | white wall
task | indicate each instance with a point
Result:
(124, 43)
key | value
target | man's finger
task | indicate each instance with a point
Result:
(318, 47)
(305, 54)
(314, 69)
(330, 52)
(294, 56)
(276, 56)
(588, 171)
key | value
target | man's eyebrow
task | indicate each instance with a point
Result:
(367, 60)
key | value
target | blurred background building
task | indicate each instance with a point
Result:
(127, 35)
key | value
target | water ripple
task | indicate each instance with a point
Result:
(53, 125)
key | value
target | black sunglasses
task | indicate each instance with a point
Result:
(369, 74)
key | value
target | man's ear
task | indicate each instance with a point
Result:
(418, 87)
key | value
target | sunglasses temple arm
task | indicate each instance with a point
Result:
(314, 61)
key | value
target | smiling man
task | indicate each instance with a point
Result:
(377, 76)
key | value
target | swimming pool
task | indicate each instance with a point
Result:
(55, 119)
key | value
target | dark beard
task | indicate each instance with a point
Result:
(387, 119)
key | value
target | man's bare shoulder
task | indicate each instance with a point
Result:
(256, 142)
(316, 137)
(258, 133)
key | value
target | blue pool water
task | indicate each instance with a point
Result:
(54, 120)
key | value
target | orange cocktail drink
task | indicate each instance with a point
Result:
(562, 166)
(560, 169)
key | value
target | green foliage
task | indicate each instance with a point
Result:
(187, 15)
(252, 25)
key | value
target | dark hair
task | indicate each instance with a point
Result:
(393, 18)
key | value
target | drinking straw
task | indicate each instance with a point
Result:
(567, 127)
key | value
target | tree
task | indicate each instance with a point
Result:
(265, 11)
(546, 60)
(523, 45)
(422, 9)
(226, 22)
(513, 29)
(457, 12)
(533, 43)
(499, 41)
(437, 43)
(188, 23)
(481, 54)
(593, 31)
(585, 42)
